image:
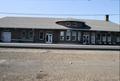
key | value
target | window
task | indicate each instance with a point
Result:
(93, 35)
(30, 34)
(67, 38)
(104, 37)
(109, 38)
(27, 34)
(81, 24)
(73, 35)
(68, 33)
(98, 36)
(62, 35)
(68, 24)
(41, 35)
(79, 36)
(117, 38)
(23, 34)
(75, 24)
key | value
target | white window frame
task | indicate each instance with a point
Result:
(109, 38)
(104, 37)
(79, 36)
(93, 37)
(68, 34)
(62, 33)
(117, 39)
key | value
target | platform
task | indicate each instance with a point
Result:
(60, 46)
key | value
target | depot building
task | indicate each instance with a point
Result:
(59, 30)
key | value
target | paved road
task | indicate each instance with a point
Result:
(60, 46)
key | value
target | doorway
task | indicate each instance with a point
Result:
(49, 38)
(86, 38)
(6, 36)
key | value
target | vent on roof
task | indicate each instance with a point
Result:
(106, 17)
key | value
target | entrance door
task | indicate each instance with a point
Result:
(86, 38)
(49, 38)
(6, 36)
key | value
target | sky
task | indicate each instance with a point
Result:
(81, 9)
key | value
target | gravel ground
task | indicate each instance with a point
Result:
(17, 64)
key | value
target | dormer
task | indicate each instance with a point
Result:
(72, 24)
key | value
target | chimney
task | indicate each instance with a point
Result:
(107, 17)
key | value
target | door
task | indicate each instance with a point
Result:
(86, 38)
(49, 38)
(6, 36)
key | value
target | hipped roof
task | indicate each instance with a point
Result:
(50, 23)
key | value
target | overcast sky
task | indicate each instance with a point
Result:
(73, 7)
